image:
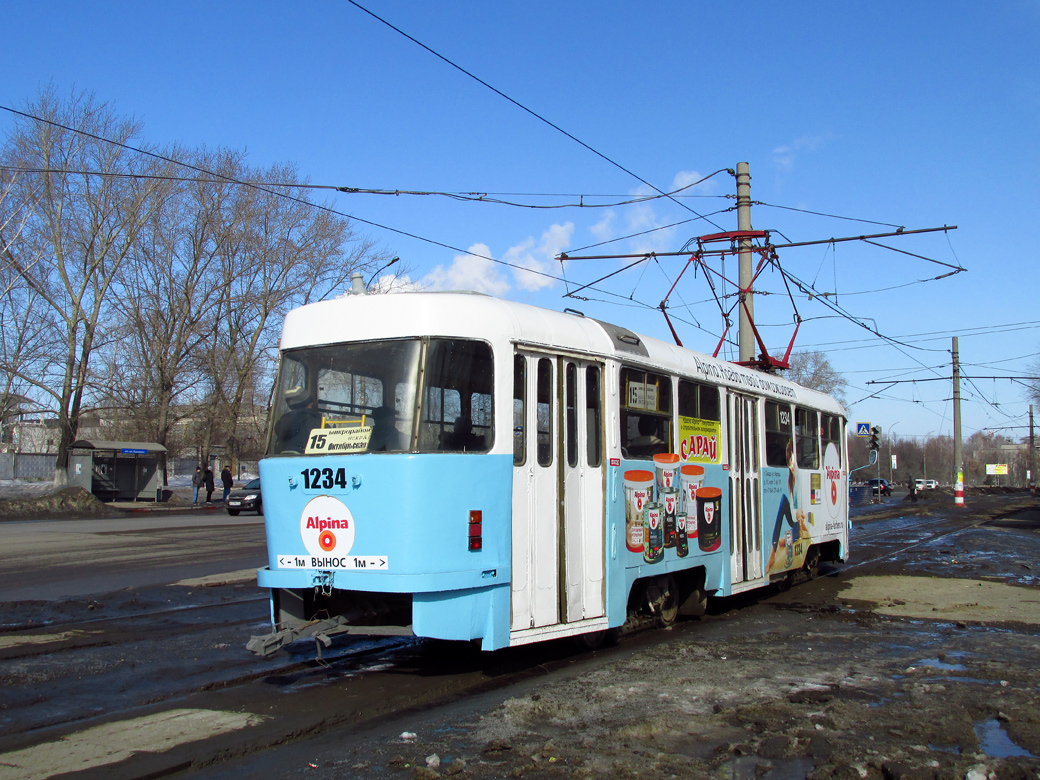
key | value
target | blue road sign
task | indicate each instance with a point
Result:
(863, 429)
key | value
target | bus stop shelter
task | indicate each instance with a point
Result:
(118, 470)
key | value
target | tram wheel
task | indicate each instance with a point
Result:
(812, 564)
(667, 601)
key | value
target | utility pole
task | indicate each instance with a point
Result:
(958, 454)
(1032, 444)
(747, 335)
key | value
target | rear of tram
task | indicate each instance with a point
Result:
(386, 512)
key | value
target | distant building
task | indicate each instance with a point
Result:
(25, 428)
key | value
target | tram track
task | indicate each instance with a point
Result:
(13, 628)
(988, 511)
(198, 661)
(56, 685)
(27, 639)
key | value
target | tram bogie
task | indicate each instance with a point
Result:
(458, 467)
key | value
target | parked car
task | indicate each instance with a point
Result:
(927, 484)
(881, 486)
(246, 498)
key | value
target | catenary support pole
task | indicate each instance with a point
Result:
(747, 334)
(1032, 445)
(958, 453)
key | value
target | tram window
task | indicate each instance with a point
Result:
(571, 416)
(519, 410)
(457, 402)
(646, 413)
(697, 400)
(807, 438)
(338, 385)
(644, 390)
(830, 427)
(778, 434)
(593, 417)
(544, 410)
(709, 408)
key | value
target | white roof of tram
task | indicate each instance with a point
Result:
(479, 316)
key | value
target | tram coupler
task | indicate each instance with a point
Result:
(321, 630)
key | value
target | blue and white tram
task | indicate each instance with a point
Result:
(455, 466)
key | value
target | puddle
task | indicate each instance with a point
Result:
(935, 663)
(995, 742)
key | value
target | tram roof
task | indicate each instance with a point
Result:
(480, 316)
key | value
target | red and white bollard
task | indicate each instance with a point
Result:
(958, 491)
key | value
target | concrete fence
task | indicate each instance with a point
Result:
(15, 465)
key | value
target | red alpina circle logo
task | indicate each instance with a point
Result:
(326, 525)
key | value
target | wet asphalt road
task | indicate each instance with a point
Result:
(341, 711)
(61, 559)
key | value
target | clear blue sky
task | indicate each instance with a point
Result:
(912, 114)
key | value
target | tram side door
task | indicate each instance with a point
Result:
(744, 486)
(558, 495)
(582, 502)
(536, 531)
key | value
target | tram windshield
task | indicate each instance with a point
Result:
(366, 397)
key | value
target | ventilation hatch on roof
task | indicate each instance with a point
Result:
(624, 339)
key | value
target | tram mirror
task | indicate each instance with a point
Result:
(873, 457)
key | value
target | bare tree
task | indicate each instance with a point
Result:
(285, 252)
(153, 300)
(814, 370)
(1033, 385)
(17, 336)
(79, 231)
(169, 303)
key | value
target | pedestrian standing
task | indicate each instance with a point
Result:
(196, 483)
(207, 478)
(912, 486)
(227, 481)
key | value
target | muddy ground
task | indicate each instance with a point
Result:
(923, 665)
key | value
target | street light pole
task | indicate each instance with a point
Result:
(372, 278)
(891, 470)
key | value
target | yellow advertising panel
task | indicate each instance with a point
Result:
(699, 440)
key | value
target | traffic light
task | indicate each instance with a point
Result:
(875, 433)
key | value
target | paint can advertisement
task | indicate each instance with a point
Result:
(709, 511)
(639, 491)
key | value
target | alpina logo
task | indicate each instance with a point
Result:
(326, 525)
(835, 478)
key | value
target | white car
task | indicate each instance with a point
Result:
(927, 484)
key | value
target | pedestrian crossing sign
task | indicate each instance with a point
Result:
(863, 429)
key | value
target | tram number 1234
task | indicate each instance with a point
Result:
(324, 478)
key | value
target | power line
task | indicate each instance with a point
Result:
(271, 191)
(471, 196)
(822, 214)
(524, 108)
(982, 330)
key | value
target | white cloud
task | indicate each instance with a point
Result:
(604, 229)
(540, 257)
(784, 156)
(474, 271)
(686, 178)
(391, 283)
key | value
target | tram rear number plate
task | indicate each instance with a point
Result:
(326, 479)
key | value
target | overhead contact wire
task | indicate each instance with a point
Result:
(524, 108)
